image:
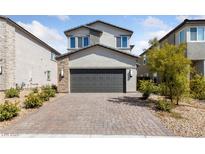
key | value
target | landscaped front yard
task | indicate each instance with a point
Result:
(20, 101)
(187, 119)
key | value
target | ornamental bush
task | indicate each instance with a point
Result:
(197, 87)
(147, 87)
(35, 90)
(49, 91)
(8, 110)
(54, 87)
(12, 92)
(43, 96)
(33, 101)
(164, 105)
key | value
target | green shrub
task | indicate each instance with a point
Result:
(54, 87)
(197, 87)
(35, 90)
(49, 91)
(163, 90)
(164, 105)
(12, 92)
(43, 96)
(8, 110)
(33, 101)
(147, 87)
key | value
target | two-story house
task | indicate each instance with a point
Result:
(190, 32)
(99, 59)
(25, 60)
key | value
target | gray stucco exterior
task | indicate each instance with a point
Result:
(98, 57)
(195, 50)
(106, 35)
(101, 54)
(24, 58)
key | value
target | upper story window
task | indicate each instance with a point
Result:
(82, 41)
(122, 42)
(53, 56)
(193, 34)
(72, 42)
(182, 36)
(197, 34)
(85, 41)
(201, 33)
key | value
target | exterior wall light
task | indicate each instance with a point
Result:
(130, 73)
(62, 73)
(1, 70)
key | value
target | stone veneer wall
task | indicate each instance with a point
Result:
(7, 55)
(63, 83)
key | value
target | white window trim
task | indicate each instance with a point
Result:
(128, 42)
(189, 39)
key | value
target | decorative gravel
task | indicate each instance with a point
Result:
(192, 121)
(23, 111)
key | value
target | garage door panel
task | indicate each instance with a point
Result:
(97, 80)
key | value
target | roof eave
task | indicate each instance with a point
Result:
(110, 25)
(28, 33)
(72, 52)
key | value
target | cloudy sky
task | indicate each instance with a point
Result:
(51, 28)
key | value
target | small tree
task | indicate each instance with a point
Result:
(154, 42)
(172, 67)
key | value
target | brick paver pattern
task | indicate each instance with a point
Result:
(92, 113)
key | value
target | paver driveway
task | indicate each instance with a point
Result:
(93, 113)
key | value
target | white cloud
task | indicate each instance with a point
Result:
(153, 27)
(154, 23)
(47, 34)
(182, 17)
(63, 17)
(159, 34)
(200, 17)
(140, 46)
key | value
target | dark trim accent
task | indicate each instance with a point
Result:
(72, 52)
(124, 81)
(29, 34)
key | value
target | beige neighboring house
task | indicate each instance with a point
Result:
(25, 60)
(190, 32)
(99, 59)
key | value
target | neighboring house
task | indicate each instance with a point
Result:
(25, 60)
(190, 32)
(99, 59)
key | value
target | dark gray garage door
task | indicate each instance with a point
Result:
(97, 80)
